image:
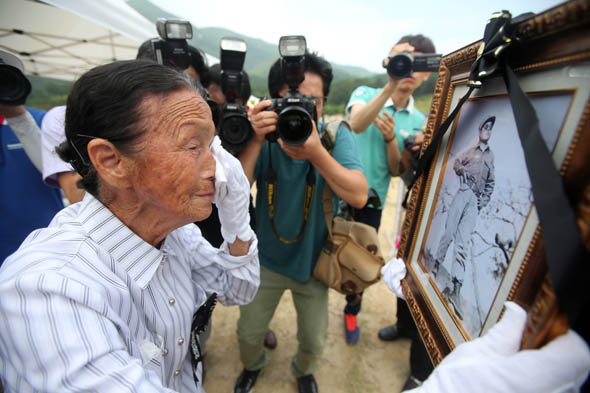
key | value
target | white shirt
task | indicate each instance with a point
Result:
(52, 135)
(87, 305)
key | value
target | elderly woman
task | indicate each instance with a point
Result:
(103, 299)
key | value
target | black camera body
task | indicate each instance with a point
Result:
(14, 85)
(234, 128)
(171, 49)
(404, 65)
(296, 112)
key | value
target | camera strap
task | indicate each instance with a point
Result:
(271, 190)
(566, 255)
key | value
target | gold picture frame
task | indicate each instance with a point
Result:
(495, 252)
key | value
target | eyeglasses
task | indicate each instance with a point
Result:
(319, 100)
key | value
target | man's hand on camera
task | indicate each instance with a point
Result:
(309, 150)
(263, 121)
(9, 111)
(385, 123)
(232, 195)
(419, 139)
(396, 50)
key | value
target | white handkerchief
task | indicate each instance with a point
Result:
(149, 350)
(220, 175)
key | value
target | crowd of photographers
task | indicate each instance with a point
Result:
(65, 278)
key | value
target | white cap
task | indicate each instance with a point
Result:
(12, 60)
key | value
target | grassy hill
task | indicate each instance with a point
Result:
(260, 55)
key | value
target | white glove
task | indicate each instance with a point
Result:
(393, 273)
(232, 195)
(493, 362)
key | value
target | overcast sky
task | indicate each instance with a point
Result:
(353, 32)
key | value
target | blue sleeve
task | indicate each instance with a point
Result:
(37, 114)
(345, 149)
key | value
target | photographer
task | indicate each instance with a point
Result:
(103, 299)
(382, 120)
(290, 242)
(212, 82)
(25, 202)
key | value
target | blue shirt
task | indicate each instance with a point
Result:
(26, 203)
(296, 260)
(371, 144)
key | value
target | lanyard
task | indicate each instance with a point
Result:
(271, 192)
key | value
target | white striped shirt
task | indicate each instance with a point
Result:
(87, 305)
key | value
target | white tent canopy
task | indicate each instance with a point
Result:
(64, 38)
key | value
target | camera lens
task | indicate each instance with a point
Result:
(400, 66)
(14, 86)
(235, 131)
(294, 125)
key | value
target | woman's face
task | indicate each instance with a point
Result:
(174, 169)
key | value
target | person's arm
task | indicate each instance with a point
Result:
(385, 123)
(490, 182)
(68, 183)
(56, 336)
(494, 362)
(263, 122)
(349, 184)
(361, 114)
(26, 130)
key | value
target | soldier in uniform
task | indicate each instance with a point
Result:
(475, 169)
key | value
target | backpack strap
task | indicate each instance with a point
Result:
(328, 139)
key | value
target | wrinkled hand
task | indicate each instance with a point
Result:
(232, 195)
(393, 273)
(385, 123)
(493, 362)
(263, 121)
(309, 150)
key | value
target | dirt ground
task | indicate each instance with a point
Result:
(369, 366)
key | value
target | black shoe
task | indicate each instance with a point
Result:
(246, 381)
(307, 384)
(270, 340)
(390, 333)
(411, 383)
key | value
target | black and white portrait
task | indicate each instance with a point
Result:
(483, 200)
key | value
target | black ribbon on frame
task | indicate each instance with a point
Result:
(568, 259)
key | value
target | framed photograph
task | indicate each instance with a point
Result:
(471, 238)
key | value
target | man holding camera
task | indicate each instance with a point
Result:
(383, 119)
(25, 202)
(291, 229)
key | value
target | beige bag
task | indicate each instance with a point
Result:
(350, 260)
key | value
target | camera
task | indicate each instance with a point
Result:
(233, 126)
(14, 85)
(404, 65)
(410, 158)
(171, 48)
(296, 112)
(345, 211)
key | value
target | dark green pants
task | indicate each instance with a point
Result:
(311, 303)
